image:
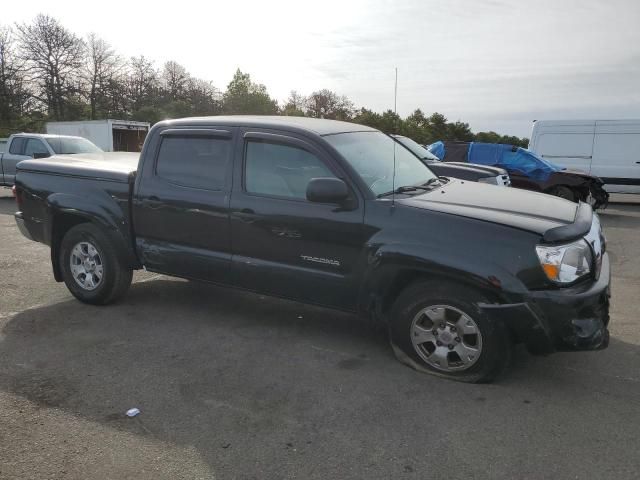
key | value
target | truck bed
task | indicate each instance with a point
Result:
(116, 166)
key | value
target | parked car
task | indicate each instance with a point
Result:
(462, 171)
(609, 149)
(528, 171)
(23, 146)
(304, 208)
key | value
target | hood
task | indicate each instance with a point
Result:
(535, 212)
(579, 173)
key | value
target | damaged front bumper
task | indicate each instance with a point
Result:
(568, 319)
(599, 197)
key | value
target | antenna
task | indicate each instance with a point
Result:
(395, 111)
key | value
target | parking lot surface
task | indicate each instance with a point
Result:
(236, 385)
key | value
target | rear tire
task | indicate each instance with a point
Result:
(438, 328)
(563, 192)
(91, 267)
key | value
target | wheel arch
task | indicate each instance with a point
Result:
(385, 281)
(64, 218)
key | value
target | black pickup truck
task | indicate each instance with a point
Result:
(320, 211)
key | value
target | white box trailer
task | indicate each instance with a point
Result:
(609, 149)
(110, 135)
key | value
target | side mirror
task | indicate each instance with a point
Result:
(40, 155)
(327, 190)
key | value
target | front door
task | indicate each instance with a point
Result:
(21, 148)
(282, 243)
(181, 206)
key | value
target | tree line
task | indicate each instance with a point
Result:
(48, 73)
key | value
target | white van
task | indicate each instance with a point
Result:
(609, 149)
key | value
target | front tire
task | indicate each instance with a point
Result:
(91, 267)
(438, 328)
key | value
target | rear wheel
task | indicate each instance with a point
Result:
(563, 192)
(438, 328)
(91, 267)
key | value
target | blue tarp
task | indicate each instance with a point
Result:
(521, 160)
(437, 149)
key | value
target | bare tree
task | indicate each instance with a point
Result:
(103, 71)
(174, 80)
(14, 97)
(142, 82)
(53, 57)
(295, 105)
(203, 97)
(327, 104)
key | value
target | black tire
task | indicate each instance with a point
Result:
(495, 343)
(563, 192)
(116, 275)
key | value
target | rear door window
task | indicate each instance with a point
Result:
(194, 161)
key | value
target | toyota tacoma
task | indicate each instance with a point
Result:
(329, 213)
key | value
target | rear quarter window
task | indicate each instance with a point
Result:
(194, 161)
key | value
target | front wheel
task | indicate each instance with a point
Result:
(438, 328)
(91, 267)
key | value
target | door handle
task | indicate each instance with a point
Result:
(246, 215)
(152, 202)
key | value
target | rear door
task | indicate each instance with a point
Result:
(181, 205)
(282, 243)
(616, 155)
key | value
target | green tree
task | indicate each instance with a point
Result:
(364, 116)
(246, 97)
(415, 127)
(459, 131)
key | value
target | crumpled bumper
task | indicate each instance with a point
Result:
(567, 319)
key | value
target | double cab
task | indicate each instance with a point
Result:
(329, 213)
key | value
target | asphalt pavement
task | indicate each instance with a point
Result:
(233, 385)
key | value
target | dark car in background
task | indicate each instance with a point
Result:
(462, 171)
(527, 170)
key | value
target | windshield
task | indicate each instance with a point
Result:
(371, 156)
(71, 145)
(416, 148)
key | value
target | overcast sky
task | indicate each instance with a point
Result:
(495, 64)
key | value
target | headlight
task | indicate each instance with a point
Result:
(489, 180)
(565, 263)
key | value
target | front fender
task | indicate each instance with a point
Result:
(390, 266)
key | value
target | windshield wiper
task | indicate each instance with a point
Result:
(408, 188)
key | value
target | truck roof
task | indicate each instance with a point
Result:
(318, 126)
